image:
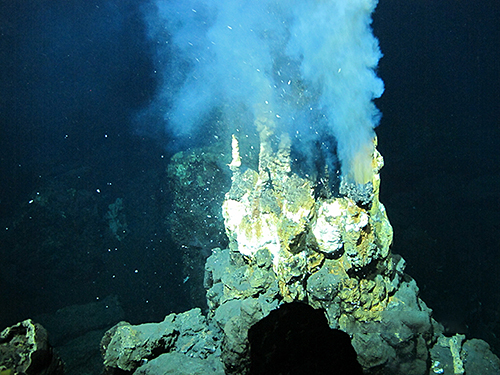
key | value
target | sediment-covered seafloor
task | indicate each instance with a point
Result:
(290, 242)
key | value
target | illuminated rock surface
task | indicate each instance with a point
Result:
(329, 251)
(181, 344)
(25, 349)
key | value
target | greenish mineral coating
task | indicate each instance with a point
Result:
(286, 245)
(198, 180)
(332, 253)
(144, 347)
(275, 209)
(25, 349)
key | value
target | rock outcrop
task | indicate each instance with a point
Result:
(25, 349)
(287, 243)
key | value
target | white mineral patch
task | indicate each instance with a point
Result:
(268, 238)
(294, 216)
(263, 233)
(328, 235)
(233, 212)
(331, 209)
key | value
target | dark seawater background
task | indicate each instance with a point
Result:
(73, 75)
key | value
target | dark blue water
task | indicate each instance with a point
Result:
(73, 76)
(440, 136)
